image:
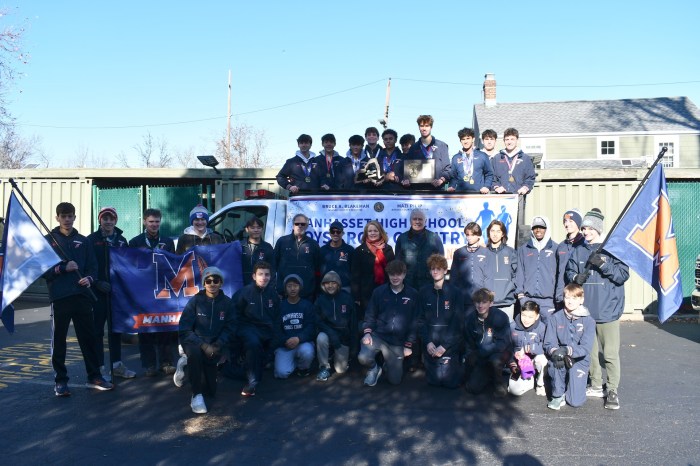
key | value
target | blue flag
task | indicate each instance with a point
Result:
(27, 255)
(151, 288)
(646, 241)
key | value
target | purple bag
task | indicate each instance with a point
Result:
(527, 369)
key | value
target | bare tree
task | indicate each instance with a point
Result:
(247, 148)
(123, 160)
(10, 54)
(15, 150)
(153, 153)
(186, 157)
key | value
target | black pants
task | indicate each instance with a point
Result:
(201, 370)
(487, 370)
(165, 343)
(77, 308)
(256, 344)
(100, 311)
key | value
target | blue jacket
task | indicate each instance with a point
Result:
(336, 177)
(575, 333)
(414, 249)
(503, 264)
(333, 317)
(441, 317)
(295, 172)
(258, 307)
(387, 164)
(300, 257)
(563, 253)
(537, 270)
(441, 155)
(392, 316)
(339, 260)
(532, 336)
(523, 173)
(470, 271)
(207, 320)
(604, 290)
(481, 173)
(296, 320)
(77, 248)
(488, 337)
(253, 253)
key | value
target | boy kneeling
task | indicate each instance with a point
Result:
(206, 324)
(527, 334)
(568, 342)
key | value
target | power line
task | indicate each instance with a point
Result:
(323, 96)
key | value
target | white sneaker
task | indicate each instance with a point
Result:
(540, 391)
(595, 392)
(197, 404)
(120, 370)
(179, 376)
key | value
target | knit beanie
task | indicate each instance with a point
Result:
(331, 276)
(199, 212)
(593, 219)
(107, 211)
(575, 215)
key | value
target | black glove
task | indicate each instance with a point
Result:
(581, 278)
(558, 357)
(596, 260)
(103, 287)
(568, 362)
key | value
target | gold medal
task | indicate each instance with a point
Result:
(328, 175)
(471, 180)
(307, 179)
(466, 178)
(511, 179)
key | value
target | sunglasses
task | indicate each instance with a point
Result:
(214, 281)
(300, 224)
(335, 231)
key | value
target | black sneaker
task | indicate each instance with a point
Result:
(61, 389)
(248, 390)
(303, 372)
(100, 384)
(612, 401)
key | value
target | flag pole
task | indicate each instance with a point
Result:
(61, 252)
(634, 196)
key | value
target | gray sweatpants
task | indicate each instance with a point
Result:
(393, 358)
(341, 355)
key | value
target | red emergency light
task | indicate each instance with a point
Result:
(259, 194)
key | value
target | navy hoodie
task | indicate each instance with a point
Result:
(77, 248)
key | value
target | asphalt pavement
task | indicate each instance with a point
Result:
(302, 421)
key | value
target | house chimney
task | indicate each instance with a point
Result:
(490, 90)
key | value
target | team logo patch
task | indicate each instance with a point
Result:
(269, 303)
(343, 256)
(406, 300)
(343, 309)
(306, 249)
(489, 332)
(506, 260)
(222, 315)
(447, 305)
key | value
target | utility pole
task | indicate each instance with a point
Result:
(228, 120)
(385, 121)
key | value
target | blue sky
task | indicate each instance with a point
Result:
(103, 74)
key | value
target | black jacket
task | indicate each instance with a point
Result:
(144, 241)
(77, 248)
(251, 254)
(441, 317)
(392, 316)
(207, 320)
(362, 273)
(298, 257)
(334, 315)
(257, 307)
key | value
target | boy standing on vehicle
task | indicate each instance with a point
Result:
(391, 162)
(430, 148)
(69, 284)
(107, 236)
(330, 166)
(299, 172)
(389, 327)
(471, 170)
(513, 170)
(488, 142)
(161, 344)
(299, 254)
(372, 148)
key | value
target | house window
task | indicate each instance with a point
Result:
(608, 147)
(670, 159)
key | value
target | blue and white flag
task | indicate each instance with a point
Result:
(27, 254)
(151, 288)
(645, 240)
